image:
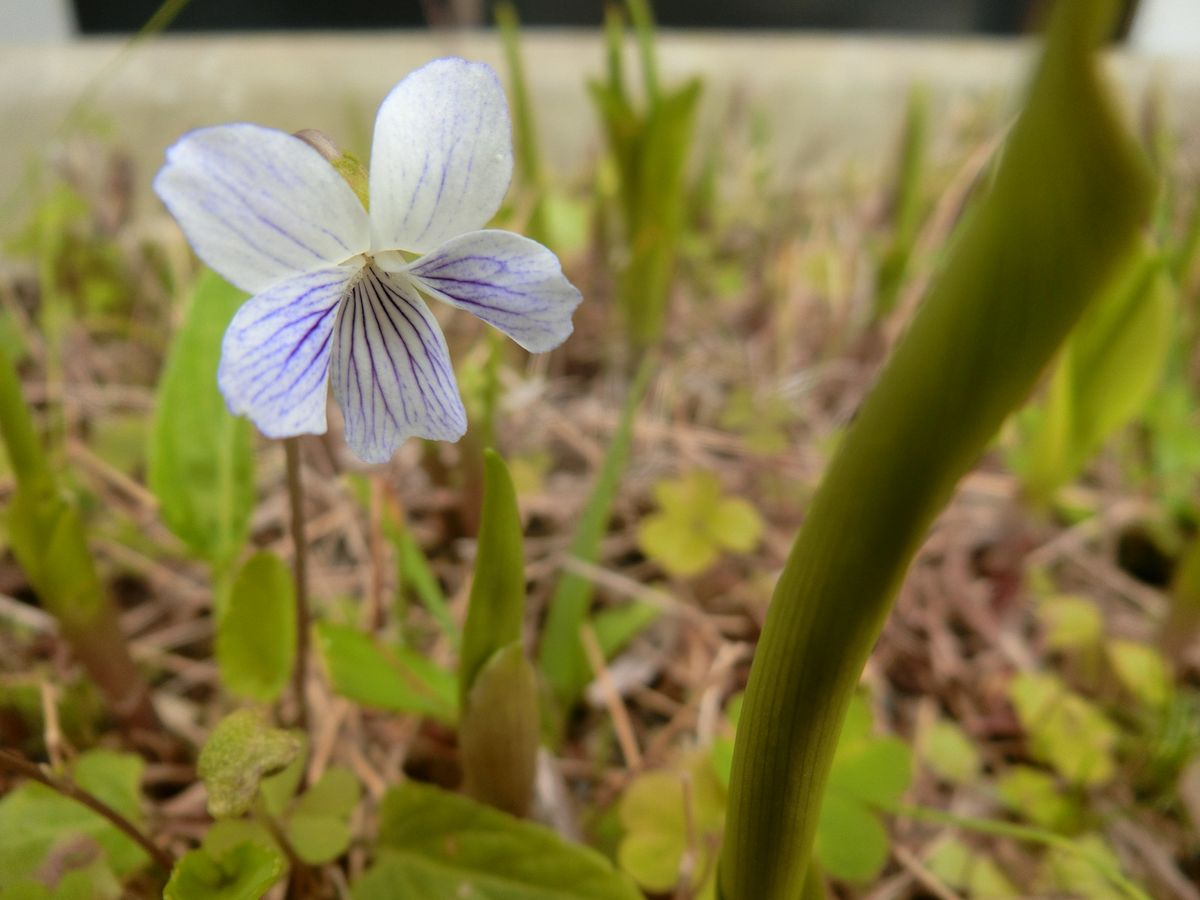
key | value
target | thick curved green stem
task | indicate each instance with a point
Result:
(1064, 210)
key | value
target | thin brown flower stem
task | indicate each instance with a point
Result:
(291, 447)
(13, 761)
(375, 609)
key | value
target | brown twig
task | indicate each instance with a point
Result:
(291, 447)
(17, 763)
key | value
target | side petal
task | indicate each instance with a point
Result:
(275, 356)
(392, 375)
(259, 205)
(441, 159)
(507, 280)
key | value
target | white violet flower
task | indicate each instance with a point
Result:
(337, 290)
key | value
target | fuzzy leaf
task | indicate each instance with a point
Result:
(240, 752)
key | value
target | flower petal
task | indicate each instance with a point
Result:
(259, 205)
(507, 280)
(442, 156)
(275, 357)
(391, 370)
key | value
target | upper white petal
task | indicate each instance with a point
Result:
(442, 156)
(259, 205)
(509, 281)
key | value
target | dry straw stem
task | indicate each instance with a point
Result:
(1068, 199)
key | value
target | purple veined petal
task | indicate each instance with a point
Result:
(392, 375)
(259, 205)
(275, 356)
(507, 280)
(442, 156)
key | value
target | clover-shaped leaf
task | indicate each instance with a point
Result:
(240, 752)
(316, 823)
(1038, 797)
(695, 522)
(668, 814)
(1141, 670)
(869, 775)
(968, 870)
(244, 872)
(761, 419)
(1065, 730)
(948, 752)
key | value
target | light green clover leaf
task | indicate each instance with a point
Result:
(695, 522)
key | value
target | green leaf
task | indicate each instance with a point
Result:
(227, 834)
(695, 523)
(963, 869)
(34, 820)
(496, 610)
(392, 678)
(1065, 730)
(500, 732)
(1080, 872)
(655, 811)
(337, 793)
(318, 839)
(1106, 374)
(949, 753)
(240, 752)
(244, 872)
(1037, 797)
(561, 657)
(616, 626)
(1070, 623)
(201, 464)
(1142, 671)
(851, 843)
(256, 632)
(437, 844)
(279, 790)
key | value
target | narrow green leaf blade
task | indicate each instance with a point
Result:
(499, 733)
(497, 604)
(1106, 374)
(1065, 208)
(201, 465)
(561, 657)
(256, 634)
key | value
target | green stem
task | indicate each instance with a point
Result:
(1067, 203)
(295, 484)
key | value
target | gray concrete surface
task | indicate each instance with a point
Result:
(830, 102)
